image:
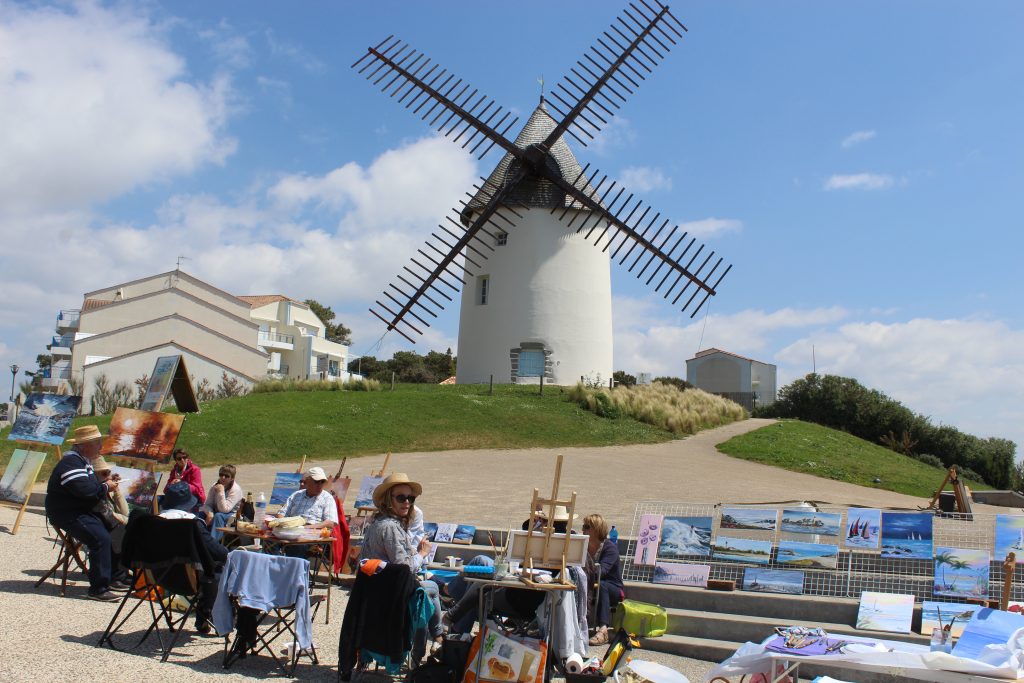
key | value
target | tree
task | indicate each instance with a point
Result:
(44, 360)
(622, 379)
(680, 384)
(335, 333)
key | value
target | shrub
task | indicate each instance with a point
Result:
(661, 405)
(106, 398)
(229, 386)
(929, 459)
(204, 392)
(362, 385)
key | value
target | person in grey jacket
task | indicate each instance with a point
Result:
(387, 538)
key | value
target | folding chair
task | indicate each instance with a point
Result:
(70, 551)
(263, 597)
(167, 558)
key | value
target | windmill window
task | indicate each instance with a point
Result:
(483, 289)
(531, 363)
(501, 239)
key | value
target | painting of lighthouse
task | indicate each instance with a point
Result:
(1010, 537)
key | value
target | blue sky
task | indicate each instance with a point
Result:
(859, 164)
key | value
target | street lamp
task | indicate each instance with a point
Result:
(14, 375)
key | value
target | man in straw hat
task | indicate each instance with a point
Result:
(71, 497)
(312, 501)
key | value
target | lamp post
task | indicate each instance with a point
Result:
(14, 376)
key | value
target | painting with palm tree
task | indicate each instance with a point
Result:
(961, 573)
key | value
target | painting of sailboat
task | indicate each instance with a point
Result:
(1010, 537)
(811, 521)
(808, 555)
(961, 573)
(885, 612)
(742, 549)
(758, 519)
(940, 614)
(907, 535)
(787, 581)
(685, 536)
(863, 528)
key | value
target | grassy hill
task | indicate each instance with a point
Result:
(824, 452)
(282, 427)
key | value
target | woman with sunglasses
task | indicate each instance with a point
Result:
(187, 471)
(605, 555)
(387, 538)
(223, 500)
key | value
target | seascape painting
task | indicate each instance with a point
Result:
(987, 627)
(907, 535)
(20, 475)
(787, 581)
(647, 539)
(1010, 537)
(863, 528)
(940, 614)
(685, 537)
(137, 486)
(142, 434)
(885, 612)
(678, 574)
(429, 530)
(364, 499)
(760, 519)
(808, 555)
(464, 534)
(45, 418)
(445, 533)
(961, 573)
(742, 550)
(811, 521)
(285, 484)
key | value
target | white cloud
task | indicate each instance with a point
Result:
(293, 53)
(617, 133)
(644, 179)
(708, 227)
(859, 181)
(94, 104)
(857, 138)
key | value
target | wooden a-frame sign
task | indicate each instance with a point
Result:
(170, 374)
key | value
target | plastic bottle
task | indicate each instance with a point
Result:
(261, 509)
(613, 535)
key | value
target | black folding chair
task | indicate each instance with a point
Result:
(70, 551)
(281, 606)
(167, 558)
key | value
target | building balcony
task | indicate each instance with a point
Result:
(274, 340)
(68, 320)
(61, 345)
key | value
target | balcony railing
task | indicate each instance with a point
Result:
(64, 341)
(275, 337)
(56, 373)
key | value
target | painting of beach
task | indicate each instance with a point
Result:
(863, 528)
(647, 539)
(742, 550)
(940, 614)
(1010, 537)
(811, 521)
(760, 519)
(808, 555)
(907, 535)
(987, 627)
(685, 536)
(786, 581)
(885, 612)
(677, 574)
(961, 573)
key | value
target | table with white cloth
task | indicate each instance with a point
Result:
(894, 658)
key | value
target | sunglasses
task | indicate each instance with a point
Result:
(587, 526)
(402, 498)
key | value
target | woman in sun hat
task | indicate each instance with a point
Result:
(387, 537)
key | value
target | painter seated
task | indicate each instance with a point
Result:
(312, 501)
(604, 554)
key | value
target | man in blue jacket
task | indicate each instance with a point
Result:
(71, 496)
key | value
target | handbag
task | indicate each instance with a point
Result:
(105, 511)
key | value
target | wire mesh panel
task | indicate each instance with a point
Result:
(826, 544)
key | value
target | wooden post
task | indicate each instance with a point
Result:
(302, 464)
(611, 384)
(490, 389)
(392, 380)
(542, 385)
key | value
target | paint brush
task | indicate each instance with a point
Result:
(493, 546)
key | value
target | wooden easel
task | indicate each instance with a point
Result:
(963, 503)
(33, 446)
(545, 532)
(364, 511)
(1009, 566)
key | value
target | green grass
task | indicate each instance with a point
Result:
(824, 452)
(284, 426)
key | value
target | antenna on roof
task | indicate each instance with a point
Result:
(180, 259)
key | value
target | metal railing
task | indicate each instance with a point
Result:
(68, 318)
(277, 337)
(63, 341)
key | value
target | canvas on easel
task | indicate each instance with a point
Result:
(139, 486)
(364, 499)
(339, 484)
(142, 434)
(45, 418)
(19, 477)
(170, 375)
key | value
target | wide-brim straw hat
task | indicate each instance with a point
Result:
(85, 434)
(393, 480)
(101, 465)
(562, 515)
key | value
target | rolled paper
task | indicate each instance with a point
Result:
(574, 663)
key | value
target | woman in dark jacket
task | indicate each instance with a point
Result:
(605, 554)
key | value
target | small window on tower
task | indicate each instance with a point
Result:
(483, 289)
(501, 239)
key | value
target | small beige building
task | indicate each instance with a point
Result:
(747, 381)
(120, 331)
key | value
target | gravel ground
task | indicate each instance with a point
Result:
(46, 636)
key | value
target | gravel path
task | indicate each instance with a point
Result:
(46, 636)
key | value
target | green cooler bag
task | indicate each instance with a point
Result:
(640, 618)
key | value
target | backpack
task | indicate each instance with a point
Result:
(640, 618)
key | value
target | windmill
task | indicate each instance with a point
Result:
(531, 248)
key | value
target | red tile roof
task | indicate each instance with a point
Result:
(93, 304)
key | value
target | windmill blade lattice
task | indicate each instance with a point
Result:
(454, 106)
(640, 38)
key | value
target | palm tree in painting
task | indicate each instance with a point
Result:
(957, 564)
(941, 560)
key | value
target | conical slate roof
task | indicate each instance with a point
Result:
(531, 191)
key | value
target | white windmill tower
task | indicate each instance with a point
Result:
(531, 248)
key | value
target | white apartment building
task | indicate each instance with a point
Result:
(295, 339)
